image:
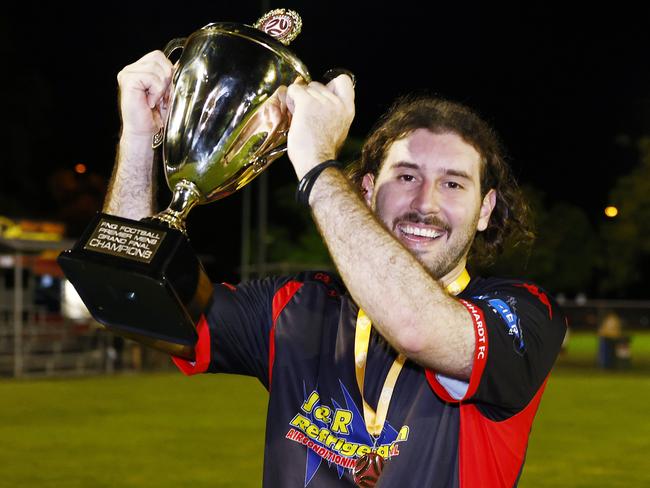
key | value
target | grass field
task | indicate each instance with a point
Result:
(165, 430)
(582, 351)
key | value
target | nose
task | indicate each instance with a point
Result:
(426, 199)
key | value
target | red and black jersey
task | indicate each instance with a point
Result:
(296, 335)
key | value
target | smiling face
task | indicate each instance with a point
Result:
(428, 194)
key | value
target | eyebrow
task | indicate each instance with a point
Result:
(444, 171)
(404, 164)
(455, 172)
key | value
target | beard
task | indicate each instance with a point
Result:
(440, 262)
(441, 265)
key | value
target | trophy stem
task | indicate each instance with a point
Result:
(186, 195)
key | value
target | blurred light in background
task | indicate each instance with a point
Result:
(46, 281)
(80, 168)
(611, 212)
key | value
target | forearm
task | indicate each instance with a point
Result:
(408, 307)
(131, 189)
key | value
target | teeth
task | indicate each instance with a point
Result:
(418, 231)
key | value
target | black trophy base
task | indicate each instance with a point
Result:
(141, 280)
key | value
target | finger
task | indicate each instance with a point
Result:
(319, 93)
(162, 71)
(155, 62)
(281, 97)
(140, 66)
(343, 88)
(149, 84)
(163, 104)
(156, 93)
(322, 93)
(296, 93)
(165, 71)
(146, 75)
(164, 101)
(164, 63)
(158, 118)
(157, 57)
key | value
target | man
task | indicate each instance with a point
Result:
(412, 362)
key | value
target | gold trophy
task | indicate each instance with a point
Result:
(225, 125)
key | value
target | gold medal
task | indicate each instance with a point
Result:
(367, 470)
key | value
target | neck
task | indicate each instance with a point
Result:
(454, 273)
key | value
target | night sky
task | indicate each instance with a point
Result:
(568, 90)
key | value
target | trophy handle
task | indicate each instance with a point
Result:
(173, 45)
(332, 73)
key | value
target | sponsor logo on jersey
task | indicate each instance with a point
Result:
(337, 434)
(509, 317)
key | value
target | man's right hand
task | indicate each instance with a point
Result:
(144, 92)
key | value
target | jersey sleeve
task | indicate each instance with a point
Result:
(234, 331)
(519, 331)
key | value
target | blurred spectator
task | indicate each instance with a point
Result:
(611, 326)
(613, 346)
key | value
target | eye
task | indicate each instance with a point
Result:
(453, 185)
(406, 177)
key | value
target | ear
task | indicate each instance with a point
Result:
(489, 202)
(368, 187)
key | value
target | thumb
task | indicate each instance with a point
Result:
(343, 87)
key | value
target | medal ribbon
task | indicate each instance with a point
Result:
(375, 420)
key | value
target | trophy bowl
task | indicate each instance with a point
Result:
(226, 121)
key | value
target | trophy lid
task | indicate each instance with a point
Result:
(281, 24)
(263, 38)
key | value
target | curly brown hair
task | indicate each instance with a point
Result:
(510, 220)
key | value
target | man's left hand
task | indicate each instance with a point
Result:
(321, 118)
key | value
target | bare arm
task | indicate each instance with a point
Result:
(406, 304)
(408, 307)
(130, 191)
(143, 87)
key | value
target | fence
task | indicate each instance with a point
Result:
(51, 345)
(37, 336)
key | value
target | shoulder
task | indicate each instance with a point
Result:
(520, 329)
(273, 293)
(276, 286)
(494, 290)
(326, 281)
(278, 282)
(518, 307)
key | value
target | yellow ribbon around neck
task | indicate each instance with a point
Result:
(375, 419)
